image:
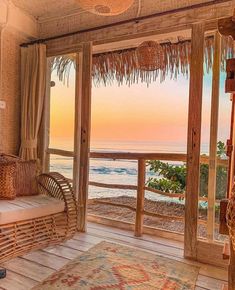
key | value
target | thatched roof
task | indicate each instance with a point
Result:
(122, 65)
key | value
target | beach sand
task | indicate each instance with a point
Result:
(96, 207)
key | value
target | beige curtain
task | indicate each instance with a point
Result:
(33, 90)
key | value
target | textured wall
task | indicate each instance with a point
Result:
(10, 91)
(15, 27)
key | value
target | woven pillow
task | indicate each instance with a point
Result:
(25, 176)
(26, 173)
(7, 179)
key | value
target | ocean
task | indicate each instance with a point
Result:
(119, 171)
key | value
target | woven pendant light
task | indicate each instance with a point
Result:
(106, 7)
(150, 56)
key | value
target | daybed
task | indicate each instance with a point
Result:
(33, 222)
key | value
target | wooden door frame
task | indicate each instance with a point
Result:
(82, 137)
(194, 141)
(194, 247)
(82, 130)
(82, 124)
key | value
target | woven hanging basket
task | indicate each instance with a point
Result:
(106, 7)
(231, 219)
(150, 56)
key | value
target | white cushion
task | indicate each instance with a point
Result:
(28, 207)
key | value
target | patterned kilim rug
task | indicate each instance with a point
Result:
(115, 267)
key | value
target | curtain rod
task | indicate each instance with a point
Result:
(136, 20)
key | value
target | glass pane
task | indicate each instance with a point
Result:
(138, 118)
(62, 108)
(168, 178)
(63, 165)
(225, 106)
(205, 143)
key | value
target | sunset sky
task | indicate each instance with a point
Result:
(157, 113)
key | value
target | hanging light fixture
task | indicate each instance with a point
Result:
(106, 7)
(149, 55)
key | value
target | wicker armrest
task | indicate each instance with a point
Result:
(56, 185)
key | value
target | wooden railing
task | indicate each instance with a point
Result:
(140, 187)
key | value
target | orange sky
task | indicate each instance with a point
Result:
(136, 113)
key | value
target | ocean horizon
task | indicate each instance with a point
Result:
(116, 171)
(130, 146)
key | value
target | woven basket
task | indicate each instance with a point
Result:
(231, 219)
(7, 179)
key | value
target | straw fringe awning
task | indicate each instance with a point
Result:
(122, 66)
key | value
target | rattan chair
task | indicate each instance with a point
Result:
(20, 237)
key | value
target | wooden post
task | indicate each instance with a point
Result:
(82, 128)
(213, 138)
(140, 198)
(194, 141)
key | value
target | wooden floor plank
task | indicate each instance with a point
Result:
(90, 239)
(28, 269)
(139, 242)
(77, 245)
(63, 252)
(145, 237)
(134, 245)
(47, 259)
(214, 272)
(14, 281)
(209, 283)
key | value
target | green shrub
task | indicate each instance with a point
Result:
(172, 178)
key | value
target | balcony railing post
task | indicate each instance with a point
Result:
(140, 198)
